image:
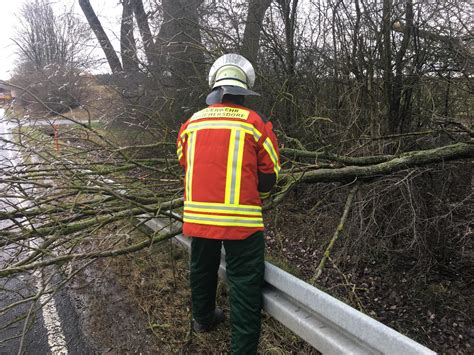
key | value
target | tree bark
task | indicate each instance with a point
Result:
(104, 41)
(400, 116)
(386, 57)
(145, 32)
(367, 160)
(289, 13)
(288, 10)
(408, 160)
(180, 41)
(253, 26)
(128, 46)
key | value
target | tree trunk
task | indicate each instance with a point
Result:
(104, 41)
(288, 11)
(180, 42)
(128, 47)
(253, 26)
(180, 61)
(386, 57)
(397, 117)
(401, 117)
(145, 32)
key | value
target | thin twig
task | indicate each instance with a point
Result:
(337, 233)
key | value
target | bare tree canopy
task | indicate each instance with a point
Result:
(44, 38)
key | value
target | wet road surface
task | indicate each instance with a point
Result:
(51, 329)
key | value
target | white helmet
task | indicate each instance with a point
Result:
(232, 69)
(230, 74)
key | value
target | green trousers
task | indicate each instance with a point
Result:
(245, 269)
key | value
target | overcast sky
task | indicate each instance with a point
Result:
(108, 11)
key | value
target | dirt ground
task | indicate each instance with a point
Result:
(433, 307)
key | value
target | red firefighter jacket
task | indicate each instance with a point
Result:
(222, 149)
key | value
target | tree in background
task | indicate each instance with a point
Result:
(176, 43)
(52, 52)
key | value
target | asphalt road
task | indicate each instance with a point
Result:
(54, 328)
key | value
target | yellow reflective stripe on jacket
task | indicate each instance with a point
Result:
(230, 166)
(213, 207)
(268, 145)
(179, 151)
(247, 127)
(231, 221)
(234, 166)
(218, 112)
(190, 165)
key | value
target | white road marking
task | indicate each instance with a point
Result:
(52, 322)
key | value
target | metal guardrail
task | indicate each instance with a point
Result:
(329, 325)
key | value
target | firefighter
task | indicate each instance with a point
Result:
(231, 161)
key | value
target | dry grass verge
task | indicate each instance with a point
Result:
(151, 287)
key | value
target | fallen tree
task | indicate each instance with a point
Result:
(382, 165)
(82, 199)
